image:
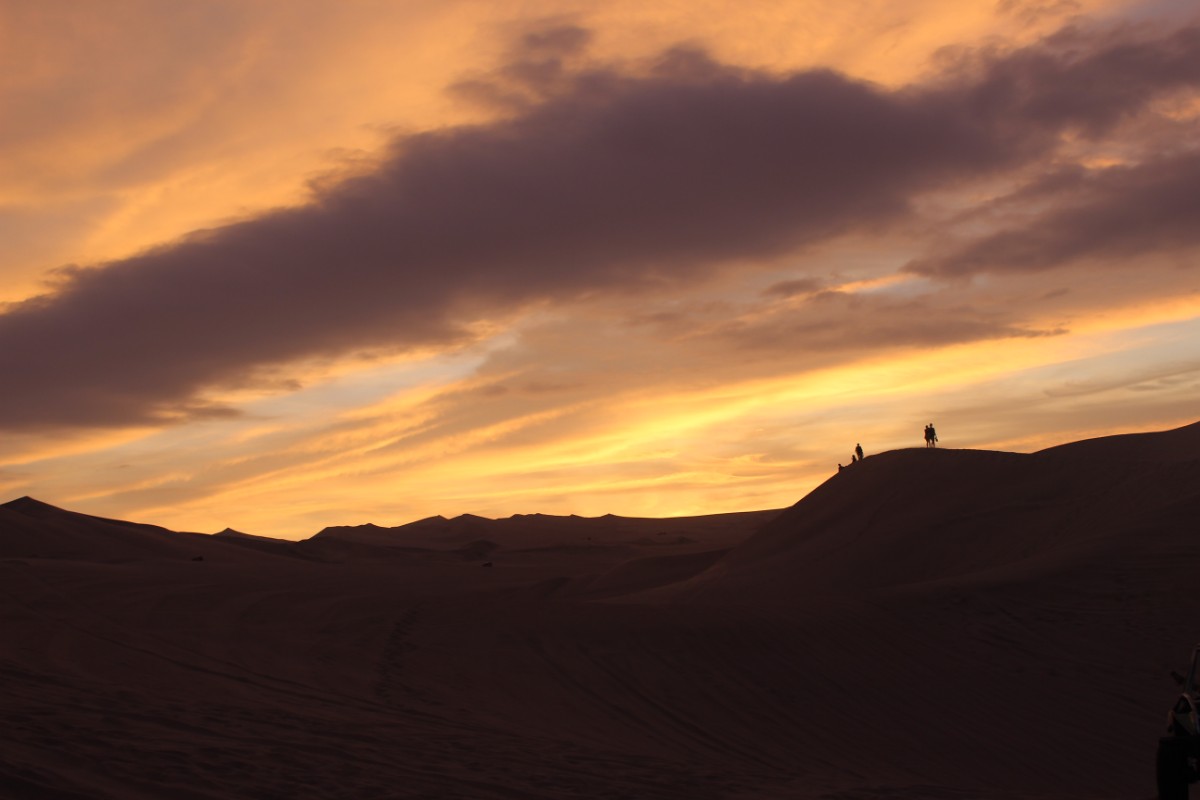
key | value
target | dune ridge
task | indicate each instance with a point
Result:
(925, 624)
(916, 516)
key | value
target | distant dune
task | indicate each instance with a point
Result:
(543, 530)
(925, 624)
(32, 529)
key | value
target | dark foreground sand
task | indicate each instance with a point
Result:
(927, 624)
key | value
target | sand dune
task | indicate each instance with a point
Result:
(544, 530)
(32, 529)
(927, 624)
(910, 517)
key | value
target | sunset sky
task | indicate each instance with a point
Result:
(283, 265)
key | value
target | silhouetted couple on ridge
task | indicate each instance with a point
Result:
(930, 436)
(855, 457)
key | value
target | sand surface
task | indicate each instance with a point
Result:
(927, 624)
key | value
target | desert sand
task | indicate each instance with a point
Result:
(941, 623)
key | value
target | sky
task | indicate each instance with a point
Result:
(282, 265)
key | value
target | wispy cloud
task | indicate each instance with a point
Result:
(1111, 215)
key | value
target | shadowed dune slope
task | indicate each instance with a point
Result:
(919, 516)
(32, 529)
(1161, 447)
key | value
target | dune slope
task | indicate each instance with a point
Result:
(926, 624)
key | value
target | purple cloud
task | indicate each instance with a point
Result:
(610, 180)
(1114, 213)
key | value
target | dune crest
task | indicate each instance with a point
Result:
(910, 517)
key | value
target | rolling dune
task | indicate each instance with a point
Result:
(926, 624)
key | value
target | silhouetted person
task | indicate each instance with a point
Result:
(858, 451)
(840, 468)
(853, 458)
(930, 436)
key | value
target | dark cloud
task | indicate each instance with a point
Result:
(1080, 79)
(1111, 214)
(833, 322)
(556, 40)
(613, 180)
(535, 69)
(793, 288)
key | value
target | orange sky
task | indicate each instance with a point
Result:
(975, 219)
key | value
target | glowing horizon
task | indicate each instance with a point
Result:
(376, 265)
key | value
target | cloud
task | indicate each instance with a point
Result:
(1083, 79)
(1156, 378)
(1111, 214)
(838, 323)
(613, 179)
(799, 286)
(1029, 12)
